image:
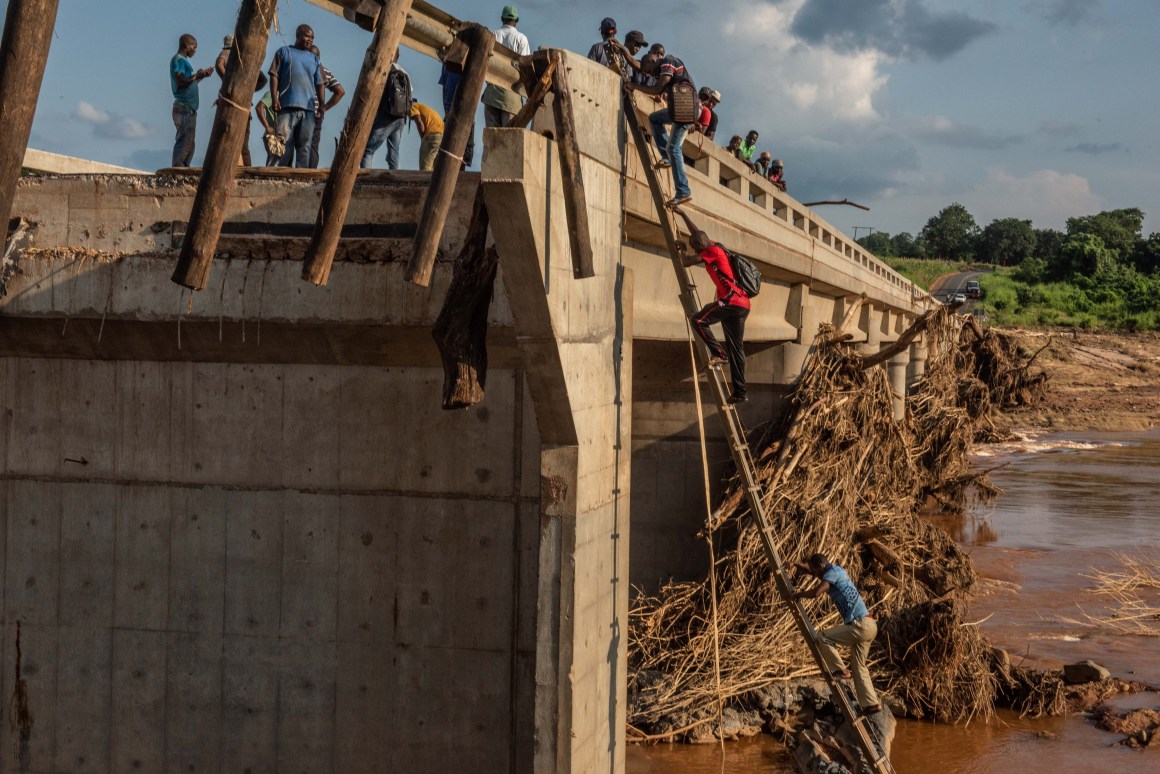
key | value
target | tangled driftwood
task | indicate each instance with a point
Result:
(842, 476)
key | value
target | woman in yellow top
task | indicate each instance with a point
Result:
(430, 127)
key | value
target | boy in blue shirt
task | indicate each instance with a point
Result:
(858, 628)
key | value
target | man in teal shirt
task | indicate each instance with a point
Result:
(858, 628)
(183, 80)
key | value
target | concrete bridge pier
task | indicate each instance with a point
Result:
(897, 367)
(918, 357)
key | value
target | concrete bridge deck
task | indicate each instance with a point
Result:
(241, 521)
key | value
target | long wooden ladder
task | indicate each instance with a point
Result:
(867, 733)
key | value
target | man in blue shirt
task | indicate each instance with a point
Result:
(183, 80)
(858, 628)
(297, 88)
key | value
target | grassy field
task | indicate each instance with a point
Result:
(1007, 301)
(923, 271)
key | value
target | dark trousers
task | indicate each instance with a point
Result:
(732, 319)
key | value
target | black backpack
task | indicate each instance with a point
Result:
(747, 276)
(397, 95)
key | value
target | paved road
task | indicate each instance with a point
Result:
(955, 283)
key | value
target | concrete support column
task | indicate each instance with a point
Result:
(872, 323)
(918, 358)
(789, 366)
(896, 367)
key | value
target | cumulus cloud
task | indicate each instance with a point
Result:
(1064, 12)
(1095, 148)
(111, 125)
(939, 130)
(901, 29)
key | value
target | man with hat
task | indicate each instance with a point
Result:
(775, 175)
(710, 98)
(500, 105)
(602, 52)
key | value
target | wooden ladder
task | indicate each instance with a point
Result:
(868, 734)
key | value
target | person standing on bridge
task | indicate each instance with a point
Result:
(858, 628)
(220, 67)
(730, 309)
(500, 105)
(296, 88)
(337, 92)
(183, 80)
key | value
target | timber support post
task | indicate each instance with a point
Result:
(353, 142)
(28, 28)
(575, 202)
(225, 143)
(479, 41)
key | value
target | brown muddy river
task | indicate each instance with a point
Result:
(1071, 504)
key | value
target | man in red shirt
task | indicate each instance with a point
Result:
(730, 309)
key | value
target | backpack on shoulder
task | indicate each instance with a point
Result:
(397, 95)
(684, 105)
(745, 272)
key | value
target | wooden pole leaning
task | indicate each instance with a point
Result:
(368, 93)
(575, 202)
(460, 120)
(24, 48)
(225, 143)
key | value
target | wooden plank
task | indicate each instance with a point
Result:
(225, 143)
(575, 201)
(460, 121)
(23, 54)
(368, 93)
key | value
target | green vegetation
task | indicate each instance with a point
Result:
(1100, 273)
(924, 271)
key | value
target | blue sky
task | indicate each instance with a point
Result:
(1039, 109)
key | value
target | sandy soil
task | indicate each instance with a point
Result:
(1097, 381)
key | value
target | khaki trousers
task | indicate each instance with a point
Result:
(858, 635)
(429, 150)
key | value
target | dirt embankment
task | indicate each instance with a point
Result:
(1098, 381)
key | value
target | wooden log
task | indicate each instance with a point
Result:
(225, 143)
(575, 201)
(904, 341)
(460, 331)
(460, 121)
(539, 88)
(368, 93)
(24, 48)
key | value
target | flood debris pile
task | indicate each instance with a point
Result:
(840, 475)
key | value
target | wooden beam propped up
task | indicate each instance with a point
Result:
(353, 141)
(28, 30)
(225, 143)
(460, 121)
(575, 202)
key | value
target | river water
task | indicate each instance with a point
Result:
(1071, 505)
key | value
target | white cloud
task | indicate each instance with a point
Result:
(111, 125)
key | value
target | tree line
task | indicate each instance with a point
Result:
(1043, 253)
(1101, 270)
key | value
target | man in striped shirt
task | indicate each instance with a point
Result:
(331, 84)
(669, 72)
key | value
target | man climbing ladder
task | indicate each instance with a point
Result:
(730, 309)
(867, 735)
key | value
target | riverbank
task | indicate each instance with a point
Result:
(1097, 381)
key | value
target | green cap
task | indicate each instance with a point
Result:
(509, 13)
